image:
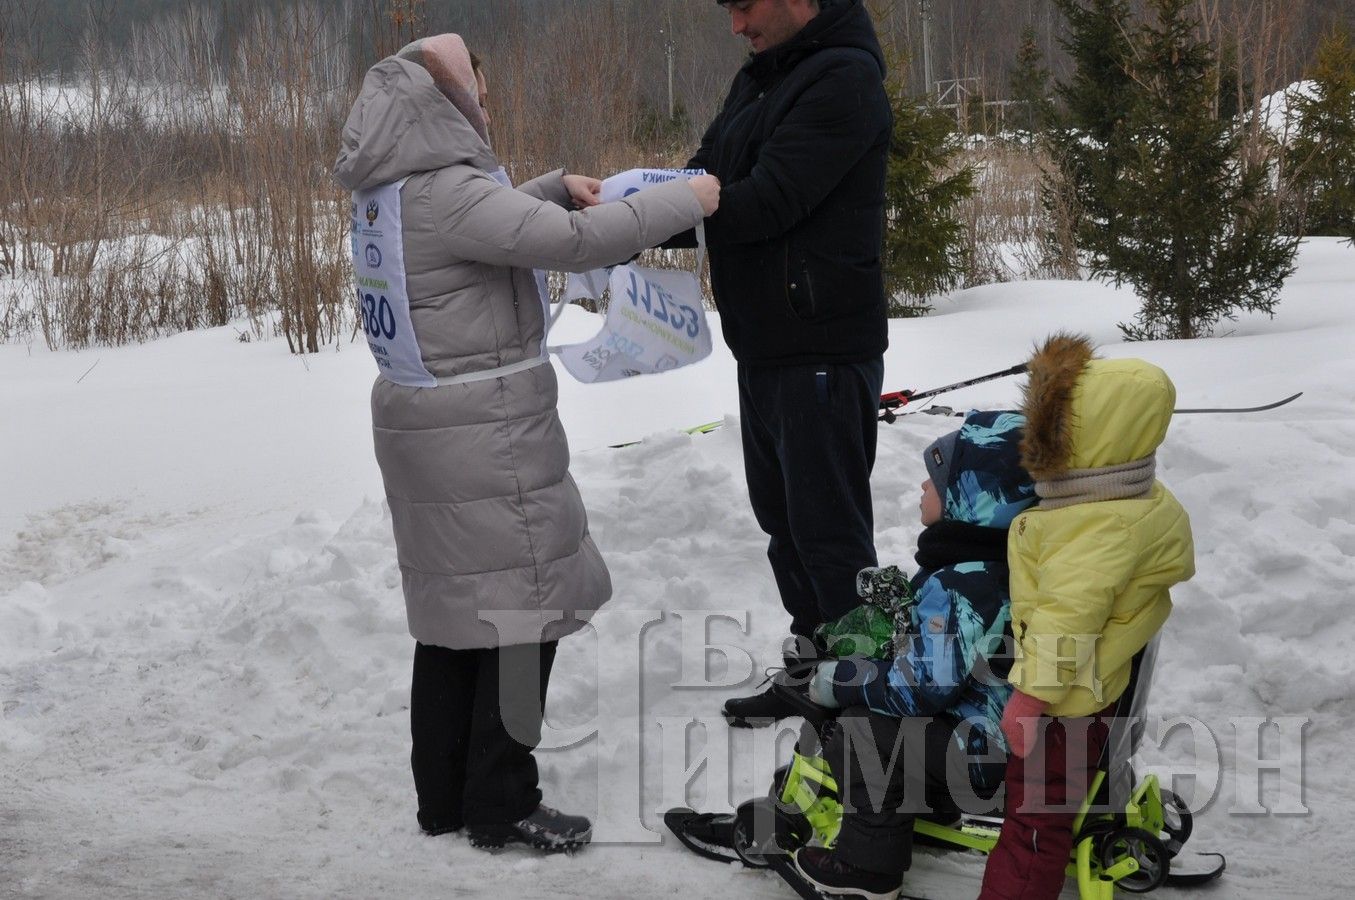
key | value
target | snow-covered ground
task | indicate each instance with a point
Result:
(204, 664)
(117, 100)
(173, 103)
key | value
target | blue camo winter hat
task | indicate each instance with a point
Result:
(984, 483)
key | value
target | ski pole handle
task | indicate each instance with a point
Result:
(898, 399)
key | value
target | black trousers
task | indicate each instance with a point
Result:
(475, 717)
(809, 435)
(931, 777)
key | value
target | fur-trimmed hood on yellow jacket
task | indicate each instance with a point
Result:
(1089, 582)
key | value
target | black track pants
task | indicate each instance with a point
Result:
(475, 717)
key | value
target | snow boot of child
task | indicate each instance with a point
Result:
(771, 705)
(546, 829)
(831, 876)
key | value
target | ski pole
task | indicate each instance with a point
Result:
(899, 399)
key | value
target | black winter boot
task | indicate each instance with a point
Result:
(545, 829)
(832, 876)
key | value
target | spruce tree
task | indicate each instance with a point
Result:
(1321, 161)
(926, 250)
(926, 246)
(1197, 231)
(1028, 82)
(1095, 101)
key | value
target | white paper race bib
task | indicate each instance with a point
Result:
(656, 320)
(383, 297)
(620, 186)
(655, 323)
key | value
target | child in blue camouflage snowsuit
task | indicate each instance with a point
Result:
(919, 734)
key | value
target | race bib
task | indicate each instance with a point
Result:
(632, 181)
(383, 298)
(655, 323)
(590, 285)
(656, 320)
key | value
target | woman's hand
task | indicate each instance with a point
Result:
(707, 189)
(584, 191)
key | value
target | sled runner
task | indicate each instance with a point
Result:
(1130, 831)
(708, 835)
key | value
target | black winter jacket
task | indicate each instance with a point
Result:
(800, 148)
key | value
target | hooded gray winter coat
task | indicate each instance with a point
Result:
(490, 530)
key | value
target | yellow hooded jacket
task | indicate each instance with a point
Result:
(1089, 582)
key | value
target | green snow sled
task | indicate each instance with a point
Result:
(1130, 832)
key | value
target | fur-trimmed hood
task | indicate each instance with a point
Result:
(1086, 413)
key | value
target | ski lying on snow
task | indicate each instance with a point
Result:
(1244, 409)
(785, 867)
(698, 429)
(950, 411)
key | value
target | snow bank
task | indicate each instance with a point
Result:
(1278, 112)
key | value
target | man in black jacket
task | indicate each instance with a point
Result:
(800, 148)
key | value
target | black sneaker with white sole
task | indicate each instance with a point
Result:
(546, 829)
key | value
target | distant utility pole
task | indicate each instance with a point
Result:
(669, 49)
(928, 80)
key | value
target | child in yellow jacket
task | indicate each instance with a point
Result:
(1091, 566)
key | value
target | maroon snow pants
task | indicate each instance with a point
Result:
(1044, 793)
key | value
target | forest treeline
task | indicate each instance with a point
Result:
(167, 161)
(973, 41)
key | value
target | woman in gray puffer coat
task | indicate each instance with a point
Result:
(493, 544)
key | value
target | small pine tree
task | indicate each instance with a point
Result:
(1095, 102)
(925, 247)
(1197, 232)
(653, 129)
(1028, 82)
(1097, 96)
(1321, 161)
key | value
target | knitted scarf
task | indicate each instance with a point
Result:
(1122, 482)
